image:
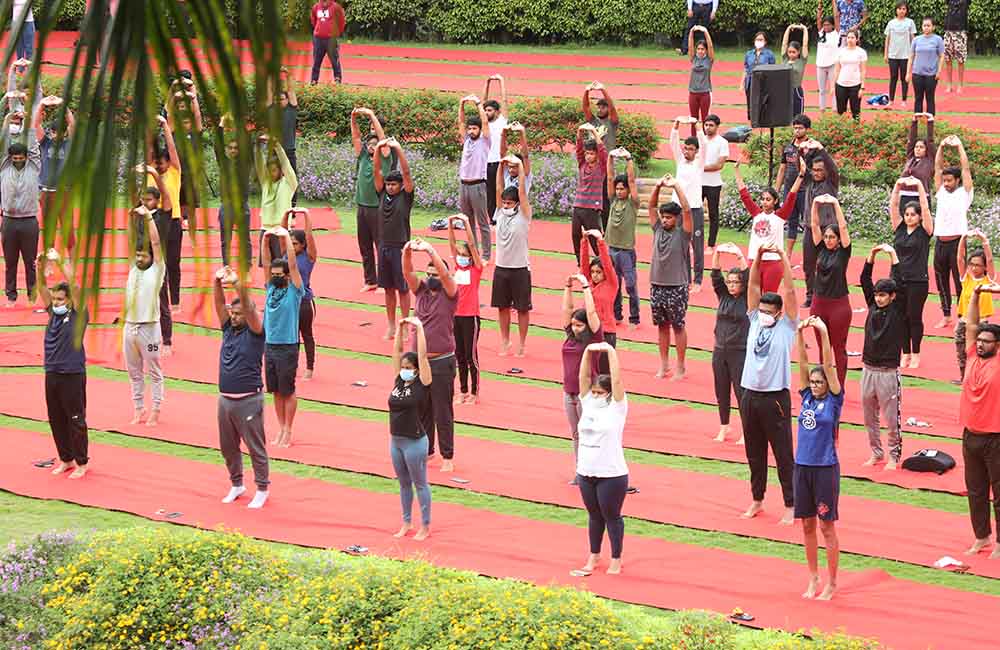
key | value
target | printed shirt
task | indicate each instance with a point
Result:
(850, 14)
(817, 434)
(281, 314)
(328, 21)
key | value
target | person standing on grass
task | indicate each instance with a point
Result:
(472, 172)
(408, 444)
(690, 161)
(767, 375)
(601, 470)
(436, 298)
(926, 61)
(365, 194)
(976, 269)
(592, 163)
(241, 400)
(795, 54)
(65, 371)
(716, 155)
(699, 14)
(954, 198)
(731, 329)
(912, 242)
(800, 150)
(885, 331)
(980, 418)
(920, 155)
(604, 287)
(896, 51)
(468, 275)
(700, 83)
(328, 21)
(512, 277)
(620, 235)
(956, 41)
(831, 302)
(395, 192)
(759, 55)
(817, 468)
(19, 174)
(143, 337)
(850, 71)
(827, 46)
(670, 273)
(583, 327)
(304, 250)
(278, 184)
(606, 123)
(496, 121)
(159, 203)
(850, 15)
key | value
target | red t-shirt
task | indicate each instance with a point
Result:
(605, 291)
(328, 21)
(467, 278)
(979, 410)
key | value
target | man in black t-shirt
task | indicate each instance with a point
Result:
(802, 147)
(395, 202)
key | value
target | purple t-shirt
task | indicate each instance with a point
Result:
(474, 155)
(572, 355)
(437, 312)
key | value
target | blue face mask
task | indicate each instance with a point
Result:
(407, 374)
(462, 260)
(60, 310)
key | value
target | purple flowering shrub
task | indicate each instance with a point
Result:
(24, 568)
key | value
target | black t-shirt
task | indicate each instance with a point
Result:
(790, 156)
(913, 250)
(289, 120)
(240, 360)
(732, 325)
(62, 356)
(831, 271)
(162, 219)
(957, 18)
(404, 402)
(395, 213)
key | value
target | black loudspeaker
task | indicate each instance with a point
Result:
(771, 96)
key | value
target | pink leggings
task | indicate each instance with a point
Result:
(700, 104)
(836, 314)
(771, 274)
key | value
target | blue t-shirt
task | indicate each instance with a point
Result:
(305, 270)
(240, 360)
(281, 314)
(751, 60)
(927, 51)
(818, 420)
(769, 356)
(52, 158)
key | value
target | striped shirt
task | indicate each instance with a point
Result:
(592, 179)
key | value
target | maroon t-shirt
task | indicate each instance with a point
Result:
(437, 312)
(572, 355)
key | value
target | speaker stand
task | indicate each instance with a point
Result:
(770, 161)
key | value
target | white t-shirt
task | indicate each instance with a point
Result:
(766, 229)
(600, 432)
(142, 293)
(952, 216)
(688, 174)
(850, 66)
(19, 7)
(716, 150)
(496, 130)
(826, 50)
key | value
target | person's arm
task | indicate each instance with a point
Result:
(687, 223)
(709, 43)
(377, 179)
(461, 119)
(836, 17)
(219, 297)
(791, 298)
(579, 142)
(864, 71)
(70, 123)
(972, 317)
(503, 94)
(829, 361)
(803, 355)
(412, 281)
(845, 234)
(784, 41)
(404, 165)
(675, 142)
(452, 244)
(988, 254)
(166, 203)
(606, 264)
(867, 286)
(293, 99)
(259, 160)
(585, 255)
(500, 184)
(961, 254)
(584, 375)
(168, 135)
(423, 363)
(911, 140)
(654, 204)
(939, 164)
(785, 211)
(609, 178)
(447, 281)
(195, 111)
(588, 112)
(43, 287)
(836, 70)
(567, 301)
(617, 383)
(691, 51)
(355, 133)
(895, 218)
(36, 120)
(930, 135)
(864, 19)
(503, 141)
(753, 283)
(966, 170)
(612, 111)
(293, 267)
(525, 154)
(805, 43)
(522, 195)
(310, 239)
(249, 309)
(287, 172)
(814, 229)
(926, 218)
(484, 132)
(593, 320)
(748, 203)
(397, 347)
(633, 189)
(819, 16)
(885, 46)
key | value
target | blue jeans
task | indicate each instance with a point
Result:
(26, 44)
(409, 459)
(329, 48)
(623, 260)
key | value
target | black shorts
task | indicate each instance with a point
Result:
(817, 491)
(281, 362)
(511, 288)
(669, 305)
(390, 268)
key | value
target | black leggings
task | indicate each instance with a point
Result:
(603, 365)
(847, 94)
(897, 72)
(915, 295)
(173, 259)
(467, 352)
(727, 366)
(924, 85)
(307, 310)
(603, 498)
(945, 263)
(712, 194)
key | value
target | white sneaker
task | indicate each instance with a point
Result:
(234, 493)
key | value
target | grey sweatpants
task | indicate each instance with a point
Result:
(881, 391)
(242, 419)
(141, 349)
(472, 203)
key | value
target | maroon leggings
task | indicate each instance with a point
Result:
(700, 104)
(836, 314)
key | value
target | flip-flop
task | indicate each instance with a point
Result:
(580, 573)
(45, 463)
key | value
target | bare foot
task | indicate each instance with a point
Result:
(447, 465)
(914, 360)
(307, 375)
(615, 567)
(137, 416)
(740, 441)
(995, 555)
(788, 518)
(79, 472)
(633, 327)
(811, 588)
(944, 322)
(405, 528)
(978, 546)
(890, 465)
(504, 349)
(695, 288)
(390, 332)
(175, 309)
(871, 461)
(959, 90)
(368, 287)
(679, 374)
(663, 371)
(904, 361)
(461, 399)
(592, 561)
(827, 592)
(166, 350)
(755, 508)
(63, 467)
(154, 418)
(520, 350)
(423, 533)
(723, 432)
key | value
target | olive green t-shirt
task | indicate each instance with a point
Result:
(364, 189)
(621, 224)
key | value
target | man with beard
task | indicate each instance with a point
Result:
(476, 140)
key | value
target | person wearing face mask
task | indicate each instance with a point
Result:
(817, 468)
(472, 171)
(830, 300)
(767, 376)
(601, 470)
(592, 163)
(365, 194)
(980, 418)
(885, 331)
(395, 191)
(669, 274)
(278, 184)
(912, 242)
(976, 269)
(604, 288)
(583, 327)
(468, 274)
(143, 338)
(920, 154)
(512, 277)
(304, 249)
(19, 198)
(241, 397)
(408, 440)
(620, 235)
(759, 55)
(65, 370)
(282, 307)
(731, 328)
(954, 198)
(436, 297)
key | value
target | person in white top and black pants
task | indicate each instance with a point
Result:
(600, 466)
(951, 221)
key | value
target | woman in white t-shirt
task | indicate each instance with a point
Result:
(827, 44)
(600, 465)
(850, 75)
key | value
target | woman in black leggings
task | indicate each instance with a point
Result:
(849, 74)
(912, 242)
(731, 329)
(600, 467)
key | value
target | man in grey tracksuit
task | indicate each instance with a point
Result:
(143, 337)
(19, 174)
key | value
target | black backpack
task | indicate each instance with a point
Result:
(929, 460)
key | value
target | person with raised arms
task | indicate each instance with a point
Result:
(976, 269)
(690, 161)
(830, 292)
(605, 124)
(620, 235)
(365, 194)
(512, 276)
(912, 242)
(468, 275)
(731, 329)
(472, 172)
(592, 165)
(583, 327)
(304, 250)
(496, 123)
(604, 286)
(951, 221)
(395, 191)
(670, 273)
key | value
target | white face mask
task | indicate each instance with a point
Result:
(767, 320)
(758, 44)
(15, 129)
(508, 212)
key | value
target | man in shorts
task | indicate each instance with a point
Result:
(670, 271)
(395, 192)
(956, 41)
(512, 278)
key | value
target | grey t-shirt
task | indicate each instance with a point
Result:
(608, 131)
(670, 260)
(701, 75)
(512, 239)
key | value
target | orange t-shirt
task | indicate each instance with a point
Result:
(980, 403)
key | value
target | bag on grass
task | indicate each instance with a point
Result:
(929, 460)
(738, 134)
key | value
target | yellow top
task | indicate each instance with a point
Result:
(985, 299)
(172, 181)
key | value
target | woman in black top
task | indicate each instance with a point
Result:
(830, 301)
(731, 329)
(912, 242)
(409, 441)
